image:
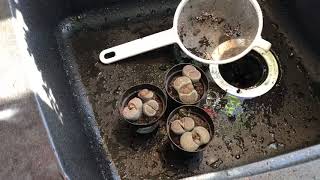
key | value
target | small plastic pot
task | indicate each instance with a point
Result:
(195, 111)
(143, 128)
(177, 71)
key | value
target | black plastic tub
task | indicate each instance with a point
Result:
(77, 95)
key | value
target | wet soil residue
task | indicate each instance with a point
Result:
(201, 40)
(206, 17)
(204, 42)
(232, 31)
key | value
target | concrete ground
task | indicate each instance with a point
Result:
(25, 152)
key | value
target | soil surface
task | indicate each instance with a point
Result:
(203, 30)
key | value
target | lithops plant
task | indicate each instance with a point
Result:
(201, 135)
(181, 82)
(187, 142)
(192, 73)
(146, 94)
(150, 108)
(189, 98)
(177, 128)
(133, 110)
(191, 141)
(183, 125)
(187, 94)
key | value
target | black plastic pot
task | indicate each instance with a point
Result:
(130, 94)
(177, 70)
(197, 112)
